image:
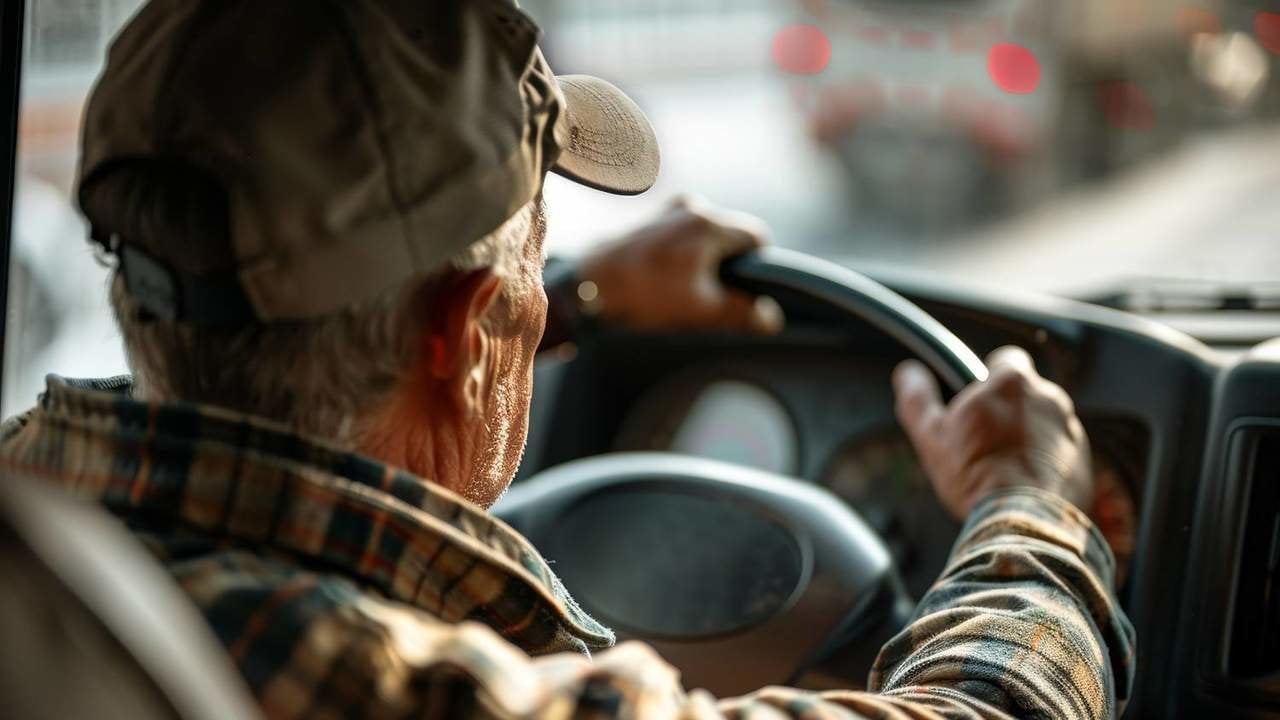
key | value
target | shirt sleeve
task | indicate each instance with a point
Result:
(1022, 624)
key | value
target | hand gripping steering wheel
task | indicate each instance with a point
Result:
(740, 578)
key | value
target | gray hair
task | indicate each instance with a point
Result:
(315, 376)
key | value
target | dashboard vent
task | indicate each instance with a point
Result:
(1255, 628)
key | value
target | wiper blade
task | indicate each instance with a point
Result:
(1171, 295)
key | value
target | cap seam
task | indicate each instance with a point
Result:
(164, 110)
(162, 126)
(360, 70)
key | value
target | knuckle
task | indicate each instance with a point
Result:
(979, 412)
(1053, 397)
(1065, 404)
(1050, 408)
(695, 220)
(907, 410)
(673, 255)
(972, 414)
(910, 401)
(1009, 380)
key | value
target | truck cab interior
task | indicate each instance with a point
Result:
(1093, 181)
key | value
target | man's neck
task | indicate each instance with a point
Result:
(419, 432)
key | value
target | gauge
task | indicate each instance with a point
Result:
(879, 476)
(1114, 513)
(733, 420)
(738, 423)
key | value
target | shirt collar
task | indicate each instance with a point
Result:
(253, 481)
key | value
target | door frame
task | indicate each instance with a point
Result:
(12, 31)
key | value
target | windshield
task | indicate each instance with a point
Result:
(1058, 147)
(1061, 147)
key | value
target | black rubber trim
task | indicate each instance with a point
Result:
(858, 295)
(12, 24)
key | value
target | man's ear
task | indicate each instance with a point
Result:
(459, 343)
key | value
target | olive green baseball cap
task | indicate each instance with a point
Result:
(361, 143)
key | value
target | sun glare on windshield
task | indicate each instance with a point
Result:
(1056, 147)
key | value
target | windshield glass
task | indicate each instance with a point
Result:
(58, 318)
(1058, 147)
(1070, 148)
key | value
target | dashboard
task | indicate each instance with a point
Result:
(747, 413)
(1186, 444)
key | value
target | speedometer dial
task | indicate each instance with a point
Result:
(879, 477)
(739, 423)
(732, 420)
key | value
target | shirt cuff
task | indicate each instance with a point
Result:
(1038, 515)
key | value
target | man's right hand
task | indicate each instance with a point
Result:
(1016, 429)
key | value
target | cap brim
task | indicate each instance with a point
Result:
(607, 142)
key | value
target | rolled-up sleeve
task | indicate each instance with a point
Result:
(1022, 624)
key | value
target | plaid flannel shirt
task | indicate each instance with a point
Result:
(345, 588)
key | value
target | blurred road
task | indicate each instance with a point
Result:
(1207, 211)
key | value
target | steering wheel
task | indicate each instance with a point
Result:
(772, 269)
(740, 578)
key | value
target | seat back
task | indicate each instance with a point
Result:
(92, 626)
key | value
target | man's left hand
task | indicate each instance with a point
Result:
(665, 275)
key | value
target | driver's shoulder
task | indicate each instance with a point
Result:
(306, 639)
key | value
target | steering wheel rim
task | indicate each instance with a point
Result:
(614, 520)
(955, 363)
